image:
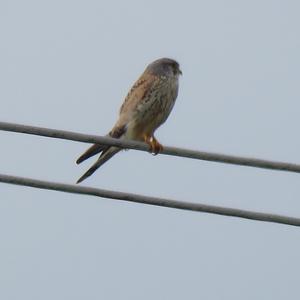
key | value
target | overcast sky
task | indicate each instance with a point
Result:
(68, 65)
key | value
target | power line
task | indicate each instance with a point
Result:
(67, 135)
(174, 151)
(75, 189)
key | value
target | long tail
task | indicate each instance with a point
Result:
(93, 150)
(104, 157)
(107, 152)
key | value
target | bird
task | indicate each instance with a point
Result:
(147, 106)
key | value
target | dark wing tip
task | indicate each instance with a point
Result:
(79, 160)
(105, 156)
(90, 171)
(93, 150)
(80, 180)
(84, 176)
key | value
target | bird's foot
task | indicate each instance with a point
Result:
(155, 146)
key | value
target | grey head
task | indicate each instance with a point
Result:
(164, 67)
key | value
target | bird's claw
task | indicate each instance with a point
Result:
(155, 146)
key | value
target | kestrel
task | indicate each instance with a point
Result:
(146, 106)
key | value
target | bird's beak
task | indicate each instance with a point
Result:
(180, 72)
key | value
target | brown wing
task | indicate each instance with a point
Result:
(139, 91)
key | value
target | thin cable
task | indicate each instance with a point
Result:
(75, 189)
(208, 156)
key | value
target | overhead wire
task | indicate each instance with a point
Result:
(174, 151)
(191, 206)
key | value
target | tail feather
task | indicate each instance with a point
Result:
(93, 150)
(107, 152)
(104, 157)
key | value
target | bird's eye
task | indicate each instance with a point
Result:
(174, 70)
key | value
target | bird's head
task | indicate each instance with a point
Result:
(164, 67)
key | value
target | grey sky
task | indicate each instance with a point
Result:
(68, 65)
